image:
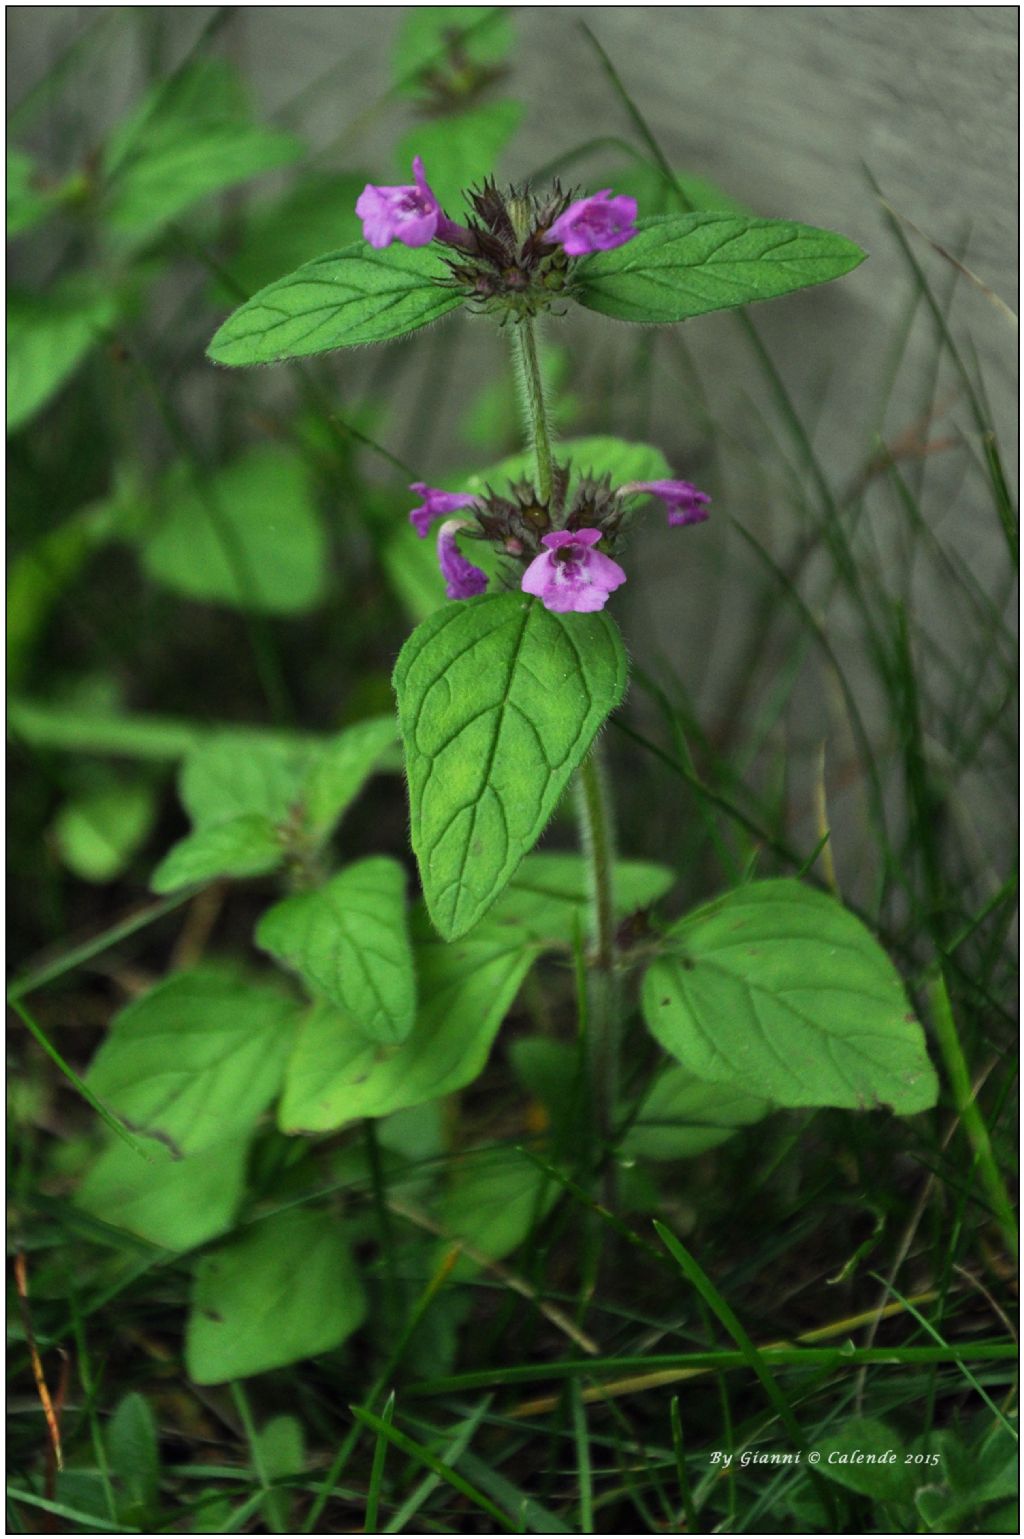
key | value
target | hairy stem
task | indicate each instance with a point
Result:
(592, 802)
(531, 392)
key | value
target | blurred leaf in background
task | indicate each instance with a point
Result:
(250, 535)
(191, 136)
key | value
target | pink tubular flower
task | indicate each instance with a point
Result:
(436, 504)
(462, 579)
(570, 574)
(598, 223)
(684, 502)
(411, 215)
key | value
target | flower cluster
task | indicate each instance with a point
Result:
(515, 250)
(556, 541)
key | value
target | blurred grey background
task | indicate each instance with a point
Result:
(783, 108)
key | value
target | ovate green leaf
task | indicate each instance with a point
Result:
(549, 895)
(499, 700)
(866, 1456)
(465, 989)
(344, 299)
(48, 336)
(196, 1059)
(337, 772)
(252, 796)
(287, 1289)
(174, 1203)
(683, 1116)
(231, 775)
(239, 847)
(349, 942)
(493, 1203)
(134, 1458)
(98, 831)
(251, 536)
(777, 990)
(688, 264)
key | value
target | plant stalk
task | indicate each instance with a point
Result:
(531, 392)
(592, 803)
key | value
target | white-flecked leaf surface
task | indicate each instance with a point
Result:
(779, 991)
(498, 702)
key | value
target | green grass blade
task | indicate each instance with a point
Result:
(430, 1461)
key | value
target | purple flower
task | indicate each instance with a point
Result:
(462, 579)
(684, 502)
(571, 575)
(599, 223)
(436, 504)
(411, 215)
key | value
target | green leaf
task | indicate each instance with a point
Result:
(498, 701)
(48, 336)
(287, 1289)
(689, 264)
(240, 847)
(337, 772)
(492, 1204)
(316, 215)
(134, 1460)
(281, 1452)
(197, 1059)
(437, 42)
(349, 943)
(174, 1203)
(190, 137)
(251, 537)
(597, 456)
(98, 831)
(683, 1116)
(549, 895)
(335, 1076)
(251, 795)
(777, 990)
(867, 1456)
(344, 299)
(232, 775)
(458, 150)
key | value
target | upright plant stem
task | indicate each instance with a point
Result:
(531, 386)
(592, 803)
